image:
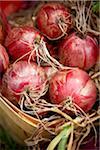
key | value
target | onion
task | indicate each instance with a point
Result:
(75, 85)
(52, 49)
(28, 44)
(50, 71)
(75, 51)
(90, 144)
(1, 33)
(10, 7)
(23, 78)
(21, 41)
(53, 20)
(4, 61)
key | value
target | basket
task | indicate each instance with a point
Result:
(19, 125)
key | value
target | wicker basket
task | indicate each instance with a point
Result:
(18, 124)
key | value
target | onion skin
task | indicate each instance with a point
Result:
(22, 77)
(52, 50)
(4, 62)
(76, 84)
(10, 7)
(4, 59)
(48, 17)
(77, 52)
(20, 41)
(1, 34)
(50, 71)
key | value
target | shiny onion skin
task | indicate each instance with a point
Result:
(75, 84)
(20, 41)
(48, 18)
(22, 77)
(77, 52)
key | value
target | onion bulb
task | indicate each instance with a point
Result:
(23, 78)
(4, 61)
(20, 42)
(77, 52)
(54, 20)
(75, 85)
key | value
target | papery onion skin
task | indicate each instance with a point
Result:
(22, 77)
(77, 52)
(75, 84)
(48, 17)
(20, 41)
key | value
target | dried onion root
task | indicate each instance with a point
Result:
(78, 132)
(84, 22)
(95, 75)
(82, 123)
(43, 56)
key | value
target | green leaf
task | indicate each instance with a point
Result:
(63, 134)
(62, 143)
(96, 7)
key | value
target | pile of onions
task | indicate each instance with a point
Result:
(54, 20)
(26, 43)
(75, 85)
(23, 78)
(4, 61)
(78, 52)
(42, 78)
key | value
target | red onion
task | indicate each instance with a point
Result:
(1, 34)
(4, 61)
(74, 84)
(75, 51)
(21, 41)
(10, 7)
(53, 20)
(90, 144)
(50, 71)
(52, 50)
(23, 77)
(27, 44)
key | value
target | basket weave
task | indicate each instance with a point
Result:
(18, 124)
